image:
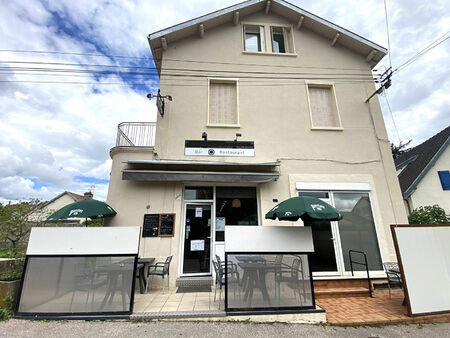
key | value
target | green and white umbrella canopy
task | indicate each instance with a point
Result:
(83, 209)
(304, 207)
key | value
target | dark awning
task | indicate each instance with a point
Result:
(199, 176)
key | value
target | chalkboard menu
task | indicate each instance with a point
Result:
(151, 225)
(167, 225)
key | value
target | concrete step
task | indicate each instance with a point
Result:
(194, 281)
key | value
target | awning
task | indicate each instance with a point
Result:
(199, 176)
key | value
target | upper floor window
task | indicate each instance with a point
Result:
(223, 103)
(254, 38)
(279, 39)
(323, 107)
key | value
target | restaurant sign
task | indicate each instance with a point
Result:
(219, 148)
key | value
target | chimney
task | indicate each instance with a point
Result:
(88, 195)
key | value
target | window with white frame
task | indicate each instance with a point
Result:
(323, 106)
(279, 39)
(223, 106)
(254, 38)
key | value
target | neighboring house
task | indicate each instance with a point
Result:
(268, 102)
(424, 173)
(57, 203)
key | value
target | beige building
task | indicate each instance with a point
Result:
(268, 102)
(424, 174)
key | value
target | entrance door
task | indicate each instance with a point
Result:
(323, 260)
(197, 239)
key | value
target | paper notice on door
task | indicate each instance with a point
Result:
(198, 245)
(220, 223)
(198, 212)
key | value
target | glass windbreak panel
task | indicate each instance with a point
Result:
(197, 242)
(323, 258)
(268, 281)
(198, 193)
(357, 228)
(57, 285)
(235, 206)
(316, 194)
(253, 41)
(278, 42)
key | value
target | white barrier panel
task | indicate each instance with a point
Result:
(84, 241)
(268, 239)
(424, 253)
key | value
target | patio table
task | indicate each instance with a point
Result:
(256, 272)
(143, 264)
(114, 270)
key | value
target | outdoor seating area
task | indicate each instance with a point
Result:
(268, 281)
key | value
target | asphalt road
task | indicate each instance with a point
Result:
(67, 329)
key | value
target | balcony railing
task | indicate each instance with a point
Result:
(136, 134)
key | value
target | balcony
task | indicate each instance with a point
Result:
(136, 134)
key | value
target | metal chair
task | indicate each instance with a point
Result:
(393, 275)
(159, 269)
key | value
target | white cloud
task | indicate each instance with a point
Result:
(55, 132)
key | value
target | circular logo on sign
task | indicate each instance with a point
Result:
(211, 152)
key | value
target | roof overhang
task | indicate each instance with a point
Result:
(372, 51)
(199, 176)
(408, 192)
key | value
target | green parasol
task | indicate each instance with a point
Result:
(83, 209)
(304, 207)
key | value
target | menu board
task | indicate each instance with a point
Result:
(151, 225)
(167, 225)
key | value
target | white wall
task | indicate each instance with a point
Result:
(429, 191)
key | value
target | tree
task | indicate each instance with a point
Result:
(429, 215)
(15, 223)
(400, 149)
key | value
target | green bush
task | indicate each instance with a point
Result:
(8, 308)
(433, 214)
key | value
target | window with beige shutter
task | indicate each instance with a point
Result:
(223, 103)
(324, 113)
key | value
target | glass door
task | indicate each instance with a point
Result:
(324, 259)
(197, 239)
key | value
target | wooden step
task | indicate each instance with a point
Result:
(341, 292)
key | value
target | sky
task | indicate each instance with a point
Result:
(57, 136)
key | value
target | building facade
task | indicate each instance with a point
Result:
(268, 102)
(423, 173)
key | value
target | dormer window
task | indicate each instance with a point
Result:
(254, 38)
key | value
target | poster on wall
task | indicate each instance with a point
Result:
(220, 223)
(198, 245)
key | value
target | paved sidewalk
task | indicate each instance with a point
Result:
(370, 311)
(68, 329)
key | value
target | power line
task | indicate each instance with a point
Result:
(387, 32)
(73, 53)
(392, 116)
(154, 69)
(432, 45)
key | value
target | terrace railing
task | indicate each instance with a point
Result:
(136, 134)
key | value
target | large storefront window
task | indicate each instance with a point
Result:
(235, 206)
(356, 231)
(357, 228)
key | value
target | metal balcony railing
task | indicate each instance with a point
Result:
(136, 134)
